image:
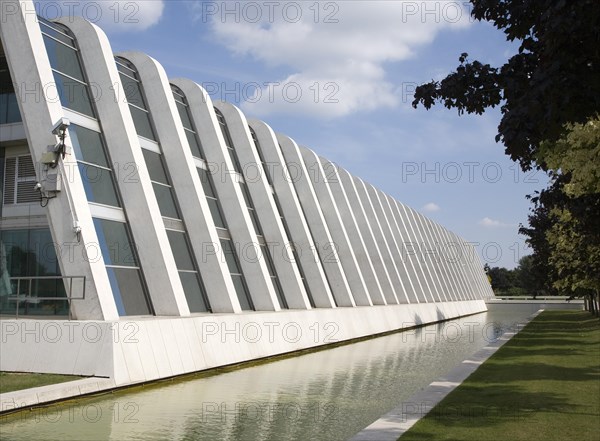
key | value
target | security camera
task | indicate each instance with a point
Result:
(37, 187)
(61, 126)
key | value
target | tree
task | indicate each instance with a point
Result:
(553, 80)
(577, 153)
(529, 278)
(575, 254)
(564, 234)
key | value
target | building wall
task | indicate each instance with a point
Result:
(172, 205)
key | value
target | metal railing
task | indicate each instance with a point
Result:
(33, 298)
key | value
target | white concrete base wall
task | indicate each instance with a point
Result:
(139, 350)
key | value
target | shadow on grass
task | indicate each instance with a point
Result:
(470, 408)
(527, 371)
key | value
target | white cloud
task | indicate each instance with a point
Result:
(113, 15)
(431, 207)
(337, 57)
(492, 223)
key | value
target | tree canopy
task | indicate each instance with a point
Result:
(553, 80)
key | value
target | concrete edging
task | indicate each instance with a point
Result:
(395, 423)
(44, 395)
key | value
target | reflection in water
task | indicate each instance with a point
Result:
(327, 395)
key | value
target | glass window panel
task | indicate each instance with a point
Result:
(185, 117)
(181, 250)
(98, 184)
(215, 212)
(87, 145)
(9, 109)
(14, 252)
(241, 292)
(246, 195)
(3, 106)
(26, 253)
(229, 253)
(141, 121)
(267, 257)
(43, 250)
(63, 59)
(194, 145)
(234, 159)
(255, 223)
(128, 291)
(133, 91)
(278, 291)
(193, 292)
(156, 167)
(56, 30)
(1, 184)
(205, 179)
(73, 95)
(126, 67)
(166, 202)
(114, 242)
(13, 114)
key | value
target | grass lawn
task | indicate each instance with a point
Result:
(11, 381)
(544, 384)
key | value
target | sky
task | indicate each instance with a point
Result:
(338, 77)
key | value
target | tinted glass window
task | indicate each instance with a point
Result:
(155, 166)
(63, 59)
(87, 145)
(98, 184)
(166, 202)
(73, 95)
(181, 250)
(141, 121)
(193, 292)
(114, 242)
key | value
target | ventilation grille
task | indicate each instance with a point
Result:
(19, 181)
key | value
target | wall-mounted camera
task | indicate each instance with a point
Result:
(60, 128)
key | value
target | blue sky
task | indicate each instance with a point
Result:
(337, 77)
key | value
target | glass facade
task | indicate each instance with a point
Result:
(95, 168)
(283, 221)
(187, 266)
(122, 266)
(71, 85)
(9, 107)
(228, 141)
(265, 252)
(27, 255)
(229, 251)
(135, 98)
(188, 124)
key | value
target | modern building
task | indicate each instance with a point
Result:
(147, 231)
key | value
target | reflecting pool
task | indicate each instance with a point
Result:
(325, 395)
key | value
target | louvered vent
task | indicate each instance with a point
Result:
(19, 181)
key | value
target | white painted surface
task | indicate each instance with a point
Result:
(145, 349)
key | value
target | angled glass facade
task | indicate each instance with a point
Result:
(402, 245)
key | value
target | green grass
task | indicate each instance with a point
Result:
(11, 381)
(544, 384)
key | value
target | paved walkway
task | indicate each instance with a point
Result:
(394, 423)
